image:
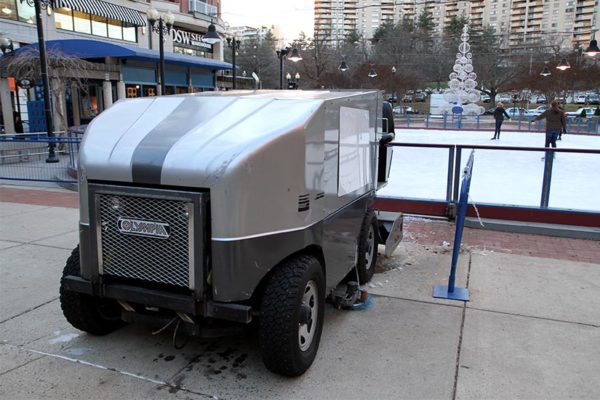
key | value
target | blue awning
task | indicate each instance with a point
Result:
(87, 48)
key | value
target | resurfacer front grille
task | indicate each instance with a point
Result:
(145, 238)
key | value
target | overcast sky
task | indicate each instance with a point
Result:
(291, 16)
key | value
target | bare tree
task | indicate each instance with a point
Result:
(63, 71)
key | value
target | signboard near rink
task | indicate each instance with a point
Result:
(189, 39)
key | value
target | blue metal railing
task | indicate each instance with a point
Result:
(23, 158)
(574, 208)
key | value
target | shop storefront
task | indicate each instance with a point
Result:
(114, 36)
(190, 43)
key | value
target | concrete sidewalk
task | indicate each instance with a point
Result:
(531, 330)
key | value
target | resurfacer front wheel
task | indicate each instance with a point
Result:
(84, 312)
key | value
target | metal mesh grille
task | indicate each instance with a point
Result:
(146, 258)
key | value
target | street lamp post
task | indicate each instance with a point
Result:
(283, 53)
(394, 100)
(165, 23)
(234, 45)
(38, 6)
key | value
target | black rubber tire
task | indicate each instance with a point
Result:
(367, 244)
(279, 324)
(84, 312)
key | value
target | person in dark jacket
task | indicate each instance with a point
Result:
(555, 123)
(499, 114)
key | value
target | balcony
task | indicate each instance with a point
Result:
(197, 6)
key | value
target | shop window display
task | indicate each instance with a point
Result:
(77, 21)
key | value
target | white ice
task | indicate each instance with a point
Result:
(499, 176)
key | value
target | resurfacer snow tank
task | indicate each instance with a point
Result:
(228, 206)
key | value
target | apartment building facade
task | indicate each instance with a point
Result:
(519, 22)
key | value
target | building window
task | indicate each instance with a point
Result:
(8, 9)
(81, 22)
(99, 26)
(63, 19)
(190, 52)
(129, 32)
(94, 24)
(26, 12)
(115, 29)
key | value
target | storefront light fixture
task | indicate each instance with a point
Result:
(372, 72)
(211, 36)
(343, 66)
(592, 49)
(563, 65)
(295, 57)
(546, 70)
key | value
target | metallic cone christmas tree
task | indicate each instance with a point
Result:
(462, 95)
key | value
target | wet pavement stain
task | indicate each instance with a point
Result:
(177, 384)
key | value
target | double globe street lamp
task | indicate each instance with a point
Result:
(234, 45)
(293, 83)
(163, 27)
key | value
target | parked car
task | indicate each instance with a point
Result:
(408, 98)
(504, 98)
(536, 111)
(420, 97)
(589, 111)
(485, 98)
(403, 110)
(516, 113)
(580, 99)
(489, 111)
(594, 99)
(541, 100)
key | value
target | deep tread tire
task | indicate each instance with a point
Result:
(367, 247)
(84, 312)
(279, 323)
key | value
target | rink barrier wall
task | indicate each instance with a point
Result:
(447, 208)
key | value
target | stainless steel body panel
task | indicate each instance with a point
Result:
(268, 162)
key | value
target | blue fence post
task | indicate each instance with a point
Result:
(457, 159)
(547, 180)
(478, 122)
(451, 292)
(426, 120)
(445, 118)
(450, 176)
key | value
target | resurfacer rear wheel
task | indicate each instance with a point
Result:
(291, 317)
(367, 248)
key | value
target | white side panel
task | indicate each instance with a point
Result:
(355, 150)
